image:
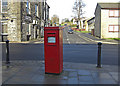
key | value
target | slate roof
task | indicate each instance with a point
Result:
(109, 5)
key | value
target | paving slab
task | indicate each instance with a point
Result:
(33, 72)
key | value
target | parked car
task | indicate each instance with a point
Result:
(70, 31)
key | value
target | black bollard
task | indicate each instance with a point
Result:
(99, 55)
(7, 52)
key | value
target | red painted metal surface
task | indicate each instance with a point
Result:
(53, 51)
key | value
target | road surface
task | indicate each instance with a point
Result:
(77, 48)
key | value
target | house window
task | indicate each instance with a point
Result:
(43, 10)
(114, 13)
(4, 27)
(114, 28)
(4, 6)
(28, 29)
(36, 10)
(28, 7)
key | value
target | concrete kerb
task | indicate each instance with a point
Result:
(68, 65)
(25, 42)
(105, 41)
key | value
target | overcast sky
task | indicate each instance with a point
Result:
(63, 8)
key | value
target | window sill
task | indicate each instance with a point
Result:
(114, 16)
(4, 12)
(4, 34)
(113, 31)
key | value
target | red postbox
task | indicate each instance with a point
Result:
(53, 49)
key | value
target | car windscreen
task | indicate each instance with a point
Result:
(70, 30)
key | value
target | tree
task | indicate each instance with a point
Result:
(55, 19)
(78, 11)
(67, 20)
(72, 20)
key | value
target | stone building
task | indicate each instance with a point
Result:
(107, 17)
(47, 20)
(45, 17)
(3, 20)
(22, 21)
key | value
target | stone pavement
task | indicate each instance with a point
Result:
(32, 72)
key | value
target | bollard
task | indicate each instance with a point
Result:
(99, 55)
(7, 52)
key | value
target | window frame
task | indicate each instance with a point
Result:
(2, 7)
(36, 10)
(113, 28)
(28, 7)
(114, 13)
(4, 30)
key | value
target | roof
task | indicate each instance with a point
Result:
(91, 19)
(109, 5)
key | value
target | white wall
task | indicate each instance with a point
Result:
(74, 21)
(105, 22)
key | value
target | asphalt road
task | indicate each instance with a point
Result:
(75, 49)
(73, 38)
(78, 48)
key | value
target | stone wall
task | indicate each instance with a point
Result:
(23, 26)
(14, 22)
(34, 25)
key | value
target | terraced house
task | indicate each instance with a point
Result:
(23, 21)
(107, 17)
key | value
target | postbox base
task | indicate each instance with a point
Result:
(53, 73)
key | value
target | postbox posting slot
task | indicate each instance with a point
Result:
(51, 38)
(51, 33)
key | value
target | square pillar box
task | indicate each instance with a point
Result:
(53, 49)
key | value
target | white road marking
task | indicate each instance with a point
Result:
(80, 42)
(67, 38)
(38, 42)
(69, 42)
